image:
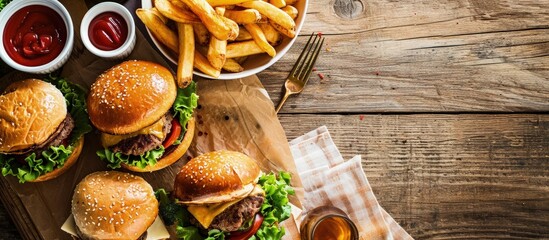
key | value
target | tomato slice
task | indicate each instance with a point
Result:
(244, 235)
(174, 134)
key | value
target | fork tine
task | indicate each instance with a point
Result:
(303, 63)
(313, 61)
(300, 56)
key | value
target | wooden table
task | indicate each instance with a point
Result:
(446, 100)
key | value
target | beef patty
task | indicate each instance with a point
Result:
(144, 142)
(62, 132)
(233, 217)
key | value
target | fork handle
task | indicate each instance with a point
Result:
(286, 95)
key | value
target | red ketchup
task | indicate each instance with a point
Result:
(108, 31)
(34, 35)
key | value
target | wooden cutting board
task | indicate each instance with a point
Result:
(235, 115)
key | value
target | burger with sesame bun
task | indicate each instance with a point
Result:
(113, 205)
(224, 194)
(146, 121)
(42, 124)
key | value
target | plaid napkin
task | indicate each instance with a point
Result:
(330, 180)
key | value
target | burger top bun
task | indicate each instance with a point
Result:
(30, 112)
(130, 96)
(113, 205)
(216, 177)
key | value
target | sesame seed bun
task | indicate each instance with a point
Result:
(68, 163)
(30, 112)
(216, 177)
(113, 205)
(173, 156)
(131, 96)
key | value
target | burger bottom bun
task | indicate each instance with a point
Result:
(171, 158)
(68, 164)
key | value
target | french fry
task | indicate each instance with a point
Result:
(180, 4)
(234, 28)
(217, 49)
(159, 15)
(260, 39)
(215, 3)
(174, 12)
(232, 65)
(286, 32)
(291, 10)
(243, 16)
(240, 60)
(186, 54)
(278, 3)
(215, 23)
(273, 13)
(202, 64)
(272, 35)
(201, 34)
(263, 19)
(164, 34)
(241, 49)
(215, 35)
(243, 35)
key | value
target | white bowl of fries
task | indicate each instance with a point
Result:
(222, 39)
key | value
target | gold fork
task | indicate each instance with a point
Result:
(299, 76)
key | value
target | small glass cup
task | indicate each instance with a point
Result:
(328, 222)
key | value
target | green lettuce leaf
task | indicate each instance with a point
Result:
(173, 213)
(3, 3)
(192, 233)
(269, 232)
(52, 158)
(75, 96)
(188, 233)
(170, 211)
(215, 234)
(115, 160)
(184, 105)
(276, 207)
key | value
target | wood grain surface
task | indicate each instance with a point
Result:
(450, 176)
(424, 56)
(447, 101)
(8, 230)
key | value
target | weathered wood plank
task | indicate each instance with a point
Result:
(450, 176)
(8, 228)
(425, 56)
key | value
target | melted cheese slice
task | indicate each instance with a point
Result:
(206, 213)
(156, 129)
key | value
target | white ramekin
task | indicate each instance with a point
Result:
(126, 48)
(57, 62)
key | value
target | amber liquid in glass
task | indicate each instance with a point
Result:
(328, 223)
(332, 228)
